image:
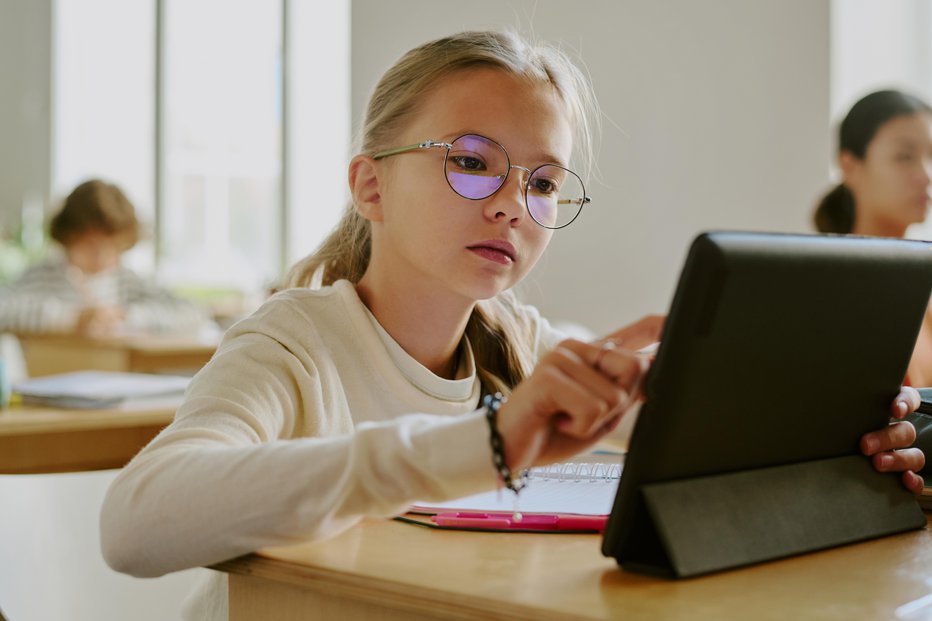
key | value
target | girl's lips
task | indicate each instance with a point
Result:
(497, 250)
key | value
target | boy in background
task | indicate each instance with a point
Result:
(84, 288)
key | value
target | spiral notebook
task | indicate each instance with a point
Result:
(571, 488)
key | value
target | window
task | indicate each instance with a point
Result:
(103, 101)
(221, 142)
(210, 115)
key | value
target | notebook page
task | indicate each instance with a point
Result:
(582, 495)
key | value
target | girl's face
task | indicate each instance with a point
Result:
(891, 183)
(427, 235)
(94, 252)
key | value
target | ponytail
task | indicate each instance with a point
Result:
(835, 213)
(343, 255)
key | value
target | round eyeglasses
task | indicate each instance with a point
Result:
(477, 167)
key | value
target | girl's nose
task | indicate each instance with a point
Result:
(509, 201)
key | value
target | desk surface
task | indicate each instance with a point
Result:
(400, 571)
(39, 439)
(25, 419)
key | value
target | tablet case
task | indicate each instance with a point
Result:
(779, 352)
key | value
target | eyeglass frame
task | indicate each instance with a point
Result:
(431, 143)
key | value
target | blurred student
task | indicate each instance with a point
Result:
(885, 156)
(82, 287)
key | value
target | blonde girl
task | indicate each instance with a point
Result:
(360, 395)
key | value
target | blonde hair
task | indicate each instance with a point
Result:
(502, 351)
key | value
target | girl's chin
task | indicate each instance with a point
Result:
(487, 290)
(921, 213)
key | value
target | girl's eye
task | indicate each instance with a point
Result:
(543, 186)
(467, 162)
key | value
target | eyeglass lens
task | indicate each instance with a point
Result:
(476, 168)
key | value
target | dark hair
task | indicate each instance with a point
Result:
(95, 206)
(835, 212)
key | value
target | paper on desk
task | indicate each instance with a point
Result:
(99, 389)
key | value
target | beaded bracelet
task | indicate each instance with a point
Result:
(492, 404)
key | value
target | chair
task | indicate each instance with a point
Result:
(50, 562)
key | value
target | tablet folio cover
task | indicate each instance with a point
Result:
(780, 351)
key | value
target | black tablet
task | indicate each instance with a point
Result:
(779, 352)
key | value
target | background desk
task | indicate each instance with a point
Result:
(391, 571)
(50, 354)
(38, 440)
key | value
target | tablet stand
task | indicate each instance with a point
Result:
(700, 525)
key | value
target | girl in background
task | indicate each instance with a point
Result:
(359, 390)
(885, 156)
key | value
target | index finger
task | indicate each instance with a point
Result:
(641, 333)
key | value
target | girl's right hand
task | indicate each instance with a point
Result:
(576, 395)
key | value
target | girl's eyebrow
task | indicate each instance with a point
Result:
(906, 142)
(552, 159)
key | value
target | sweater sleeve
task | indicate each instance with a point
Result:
(232, 473)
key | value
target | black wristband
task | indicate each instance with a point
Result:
(492, 404)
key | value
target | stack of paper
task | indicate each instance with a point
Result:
(99, 389)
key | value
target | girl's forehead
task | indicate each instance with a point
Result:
(514, 110)
(908, 129)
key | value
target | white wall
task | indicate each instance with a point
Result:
(25, 127)
(717, 116)
(879, 45)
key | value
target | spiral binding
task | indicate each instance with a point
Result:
(577, 471)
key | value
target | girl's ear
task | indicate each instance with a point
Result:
(850, 167)
(364, 187)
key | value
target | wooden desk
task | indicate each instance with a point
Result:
(38, 440)
(392, 571)
(50, 354)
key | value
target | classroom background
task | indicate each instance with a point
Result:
(229, 123)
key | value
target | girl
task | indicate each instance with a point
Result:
(359, 397)
(885, 156)
(84, 288)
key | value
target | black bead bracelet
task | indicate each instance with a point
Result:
(492, 404)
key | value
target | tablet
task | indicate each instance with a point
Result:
(779, 352)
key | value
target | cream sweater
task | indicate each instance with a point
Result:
(307, 418)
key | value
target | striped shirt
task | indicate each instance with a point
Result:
(50, 295)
